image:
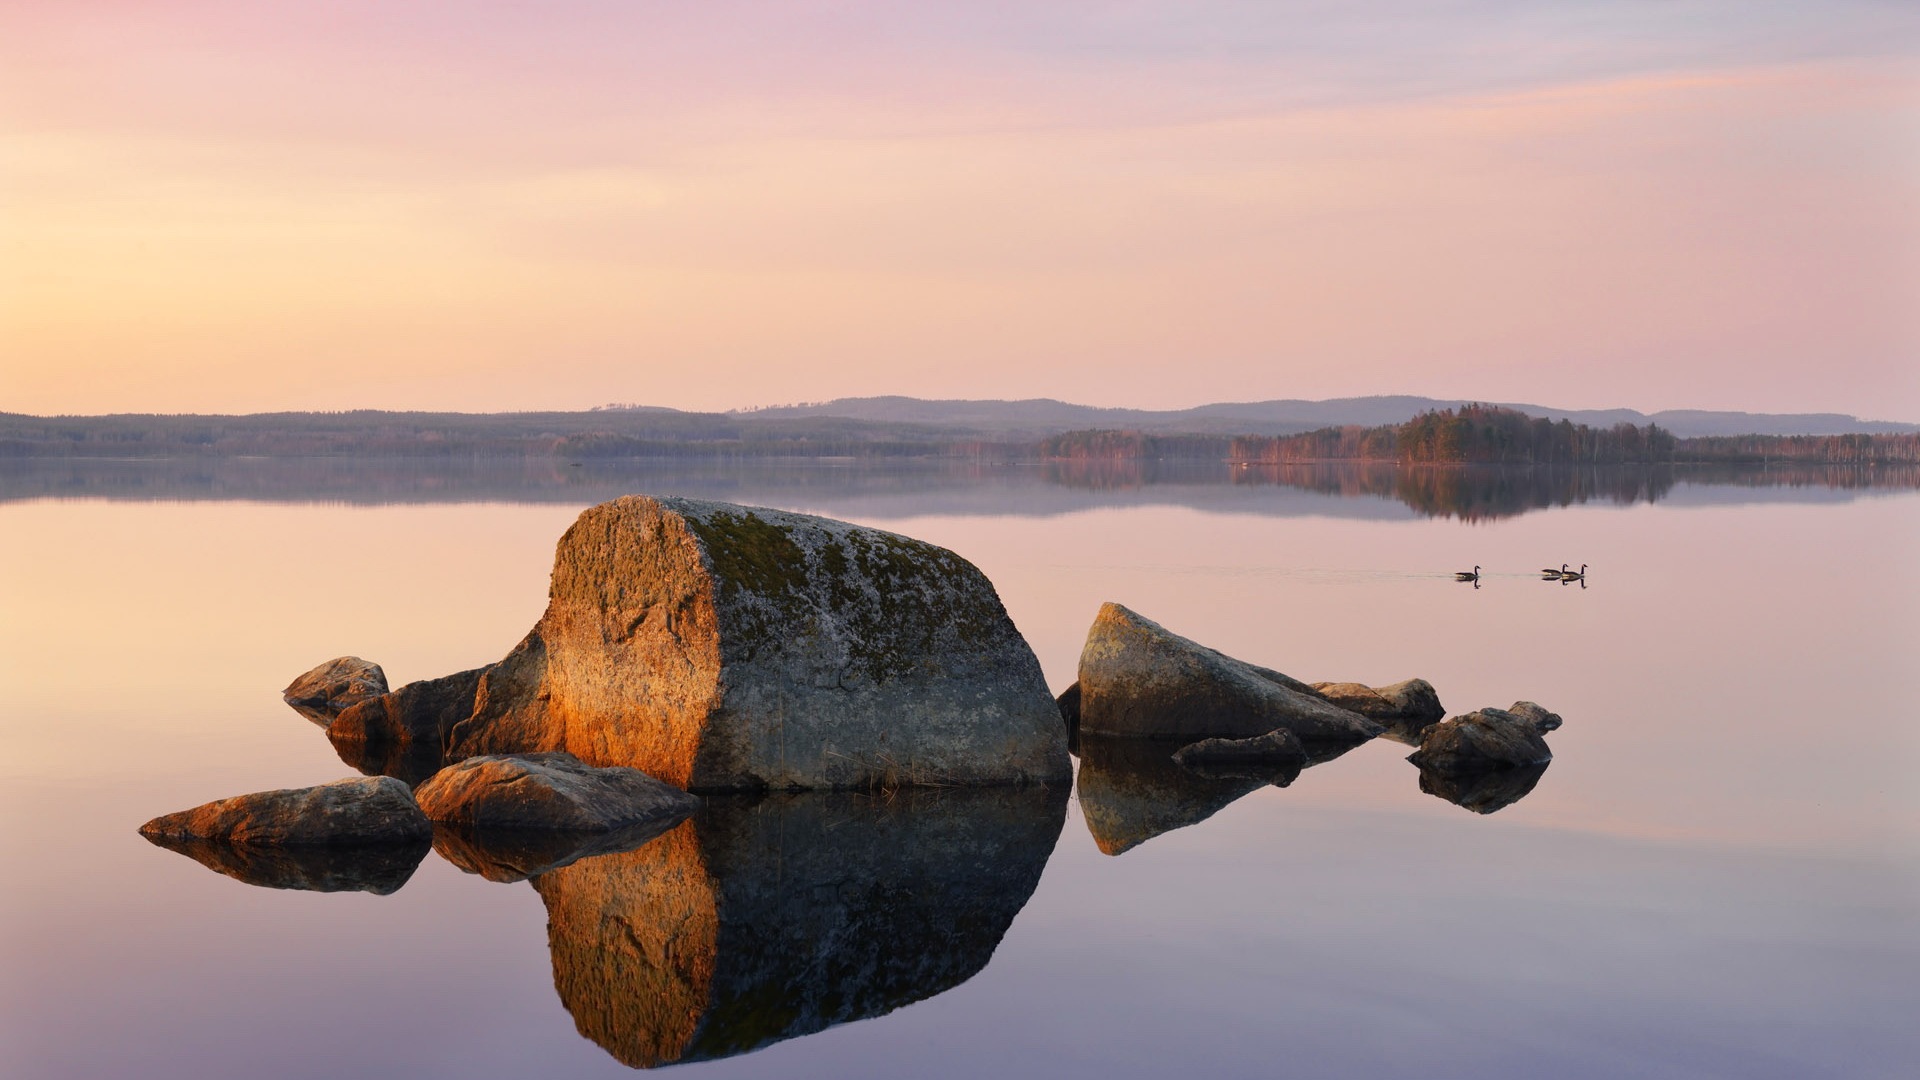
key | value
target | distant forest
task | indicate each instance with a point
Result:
(1486, 435)
(1473, 434)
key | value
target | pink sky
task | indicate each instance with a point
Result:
(237, 207)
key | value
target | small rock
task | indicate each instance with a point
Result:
(555, 791)
(1542, 720)
(361, 810)
(1140, 680)
(1411, 702)
(418, 714)
(1069, 703)
(1274, 752)
(1486, 740)
(333, 687)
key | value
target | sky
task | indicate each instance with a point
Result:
(229, 206)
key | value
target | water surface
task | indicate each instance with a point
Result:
(1718, 875)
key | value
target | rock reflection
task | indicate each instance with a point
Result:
(1131, 790)
(759, 920)
(410, 763)
(1483, 792)
(379, 869)
(519, 854)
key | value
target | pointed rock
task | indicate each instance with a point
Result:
(1140, 680)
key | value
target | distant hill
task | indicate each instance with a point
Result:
(1035, 418)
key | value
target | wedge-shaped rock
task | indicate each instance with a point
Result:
(333, 687)
(553, 791)
(724, 648)
(1139, 679)
(361, 810)
(1487, 740)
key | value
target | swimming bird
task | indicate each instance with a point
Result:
(1553, 575)
(1467, 575)
(1572, 575)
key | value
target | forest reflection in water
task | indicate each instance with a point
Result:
(942, 486)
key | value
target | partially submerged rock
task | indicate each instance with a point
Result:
(723, 648)
(551, 791)
(1069, 704)
(358, 811)
(1487, 740)
(1274, 753)
(375, 868)
(1413, 702)
(760, 920)
(333, 687)
(418, 714)
(1140, 680)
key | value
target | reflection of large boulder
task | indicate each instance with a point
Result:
(1483, 791)
(553, 791)
(1487, 740)
(757, 921)
(374, 868)
(358, 811)
(1139, 679)
(720, 648)
(333, 687)
(1131, 790)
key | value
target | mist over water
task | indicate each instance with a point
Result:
(1719, 873)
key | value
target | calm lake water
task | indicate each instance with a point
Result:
(1717, 876)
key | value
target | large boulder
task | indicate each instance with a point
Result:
(418, 714)
(759, 920)
(333, 687)
(1487, 740)
(1138, 679)
(553, 791)
(725, 648)
(362, 810)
